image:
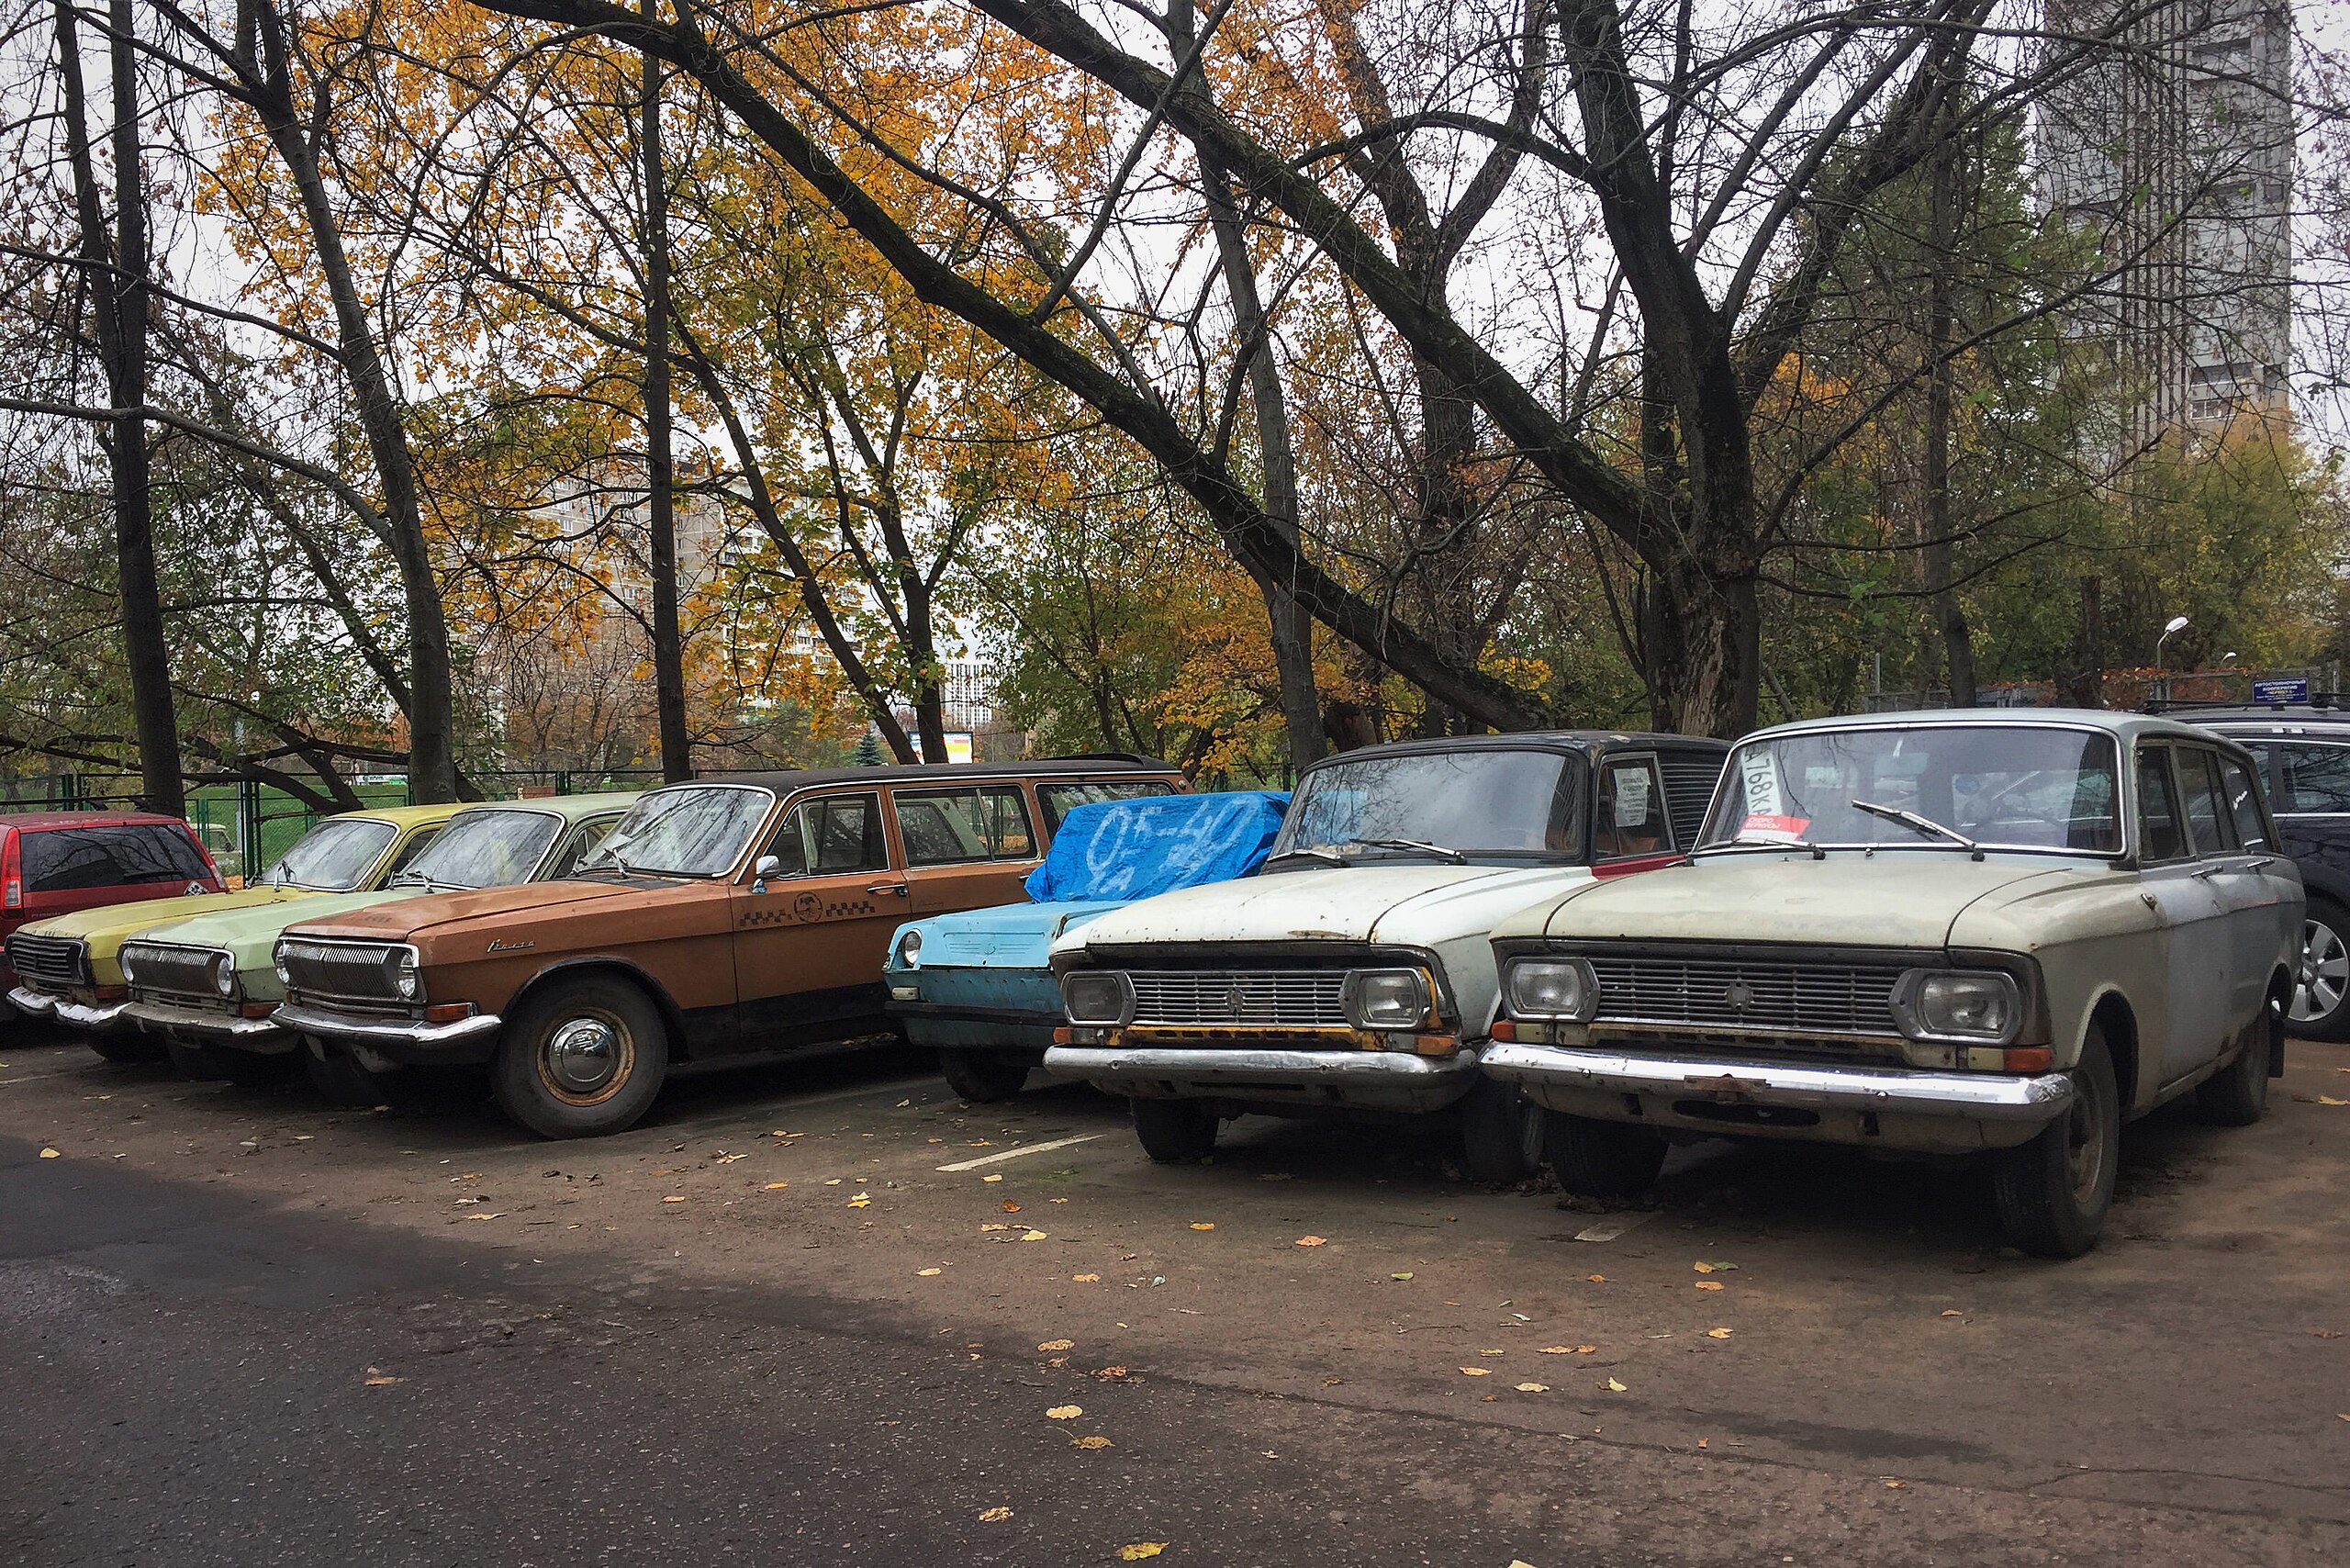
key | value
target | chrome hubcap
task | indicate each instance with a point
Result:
(2325, 973)
(582, 1054)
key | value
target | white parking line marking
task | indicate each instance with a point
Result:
(1016, 1153)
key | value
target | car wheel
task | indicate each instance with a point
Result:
(2053, 1192)
(1175, 1132)
(982, 1077)
(127, 1050)
(2320, 1008)
(581, 1058)
(1502, 1132)
(1602, 1160)
(2237, 1095)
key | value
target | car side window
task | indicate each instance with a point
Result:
(1631, 817)
(832, 835)
(2244, 804)
(582, 844)
(945, 827)
(411, 850)
(2312, 777)
(2209, 821)
(1059, 799)
(2159, 838)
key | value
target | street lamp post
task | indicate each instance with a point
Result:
(2177, 624)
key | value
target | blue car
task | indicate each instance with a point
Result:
(977, 986)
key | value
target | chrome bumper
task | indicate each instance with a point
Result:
(1363, 1080)
(1886, 1106)
(208, 1028)
(33, 1003)
(396, 1040)
(104, 1015)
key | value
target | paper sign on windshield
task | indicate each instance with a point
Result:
(1773, 824)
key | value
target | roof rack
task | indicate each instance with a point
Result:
(2316, 700)
(1136, 758)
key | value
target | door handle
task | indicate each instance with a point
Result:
(896, 888)
(2207, 872)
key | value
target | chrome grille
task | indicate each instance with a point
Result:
(1742, 994)
(52, 963)
(157, 969)
(1303, 998)
(362, 970)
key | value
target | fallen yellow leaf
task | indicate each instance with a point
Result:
(1703, 1267)
(1489, 1353)
(986, 1227)
(1058, 1345)
(832, 1181)
(1085, 1279)
(1534, 1388)
(860, 1202)
(1710, 1284)
(1034, 1236)
(50, 1154)
(1111, 1374)
(1717, 1333)
(675, 1198)
(1204, 1224)
(928, 1273)
(1010, 1208)
(377, 1377)
(1064, 1413)
(1897, 1486)
(1311, 1241)
(775, 1186)
(997, 1177)
(1596, 1279)
(1404, 1275)
(1136, 1550)
(1952, 1312)
(995, 1516)
(2330, 1100)
(1614, 1387)
(1089, 1442)
(1476, 1372)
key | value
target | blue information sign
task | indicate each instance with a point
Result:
(2280, 691)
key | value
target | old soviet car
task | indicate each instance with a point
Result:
(207, 986)
(978, 987)
(723, 919)
(1948, 933)
(1355, 972)
(55, 864)
(67, 965)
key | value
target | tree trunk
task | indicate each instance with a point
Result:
(115, 273)
(433, 762)
(1934, 519)
(660, 507)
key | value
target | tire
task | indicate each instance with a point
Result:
(2321, 1005)
(2053, 1193)
(983, 1077)
(127, 1050)
(581, 1058)
(1175, 1132)
(2237, 1095)
(1602, 1160)
(1502, 1132)
(193, 1061)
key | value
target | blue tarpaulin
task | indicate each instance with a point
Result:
(1139, 848)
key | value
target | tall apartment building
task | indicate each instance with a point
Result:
(2173, 142)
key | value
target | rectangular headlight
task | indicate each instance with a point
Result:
(1970, 1005)
(1103, 998)
(1551, 988)
(1387, 999)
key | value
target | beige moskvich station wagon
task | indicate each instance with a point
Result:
(2000, 932)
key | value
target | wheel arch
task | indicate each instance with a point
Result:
(608, 967)
(2111, 1012)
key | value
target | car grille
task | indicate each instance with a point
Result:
(1745, 994)
(167, 969)
(1303, 998)
(360, 970)
(52, 963)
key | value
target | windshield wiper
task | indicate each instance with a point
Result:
(1420, 845)
(1923, 825)
(1322, 852)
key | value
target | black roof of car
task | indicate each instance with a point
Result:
(784, 781)
(1520, 740)
(2323, 713)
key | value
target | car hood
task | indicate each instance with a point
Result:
(1910, 899)
(1413, 904)
(404, 919)
(249, 935)
(1012, 935)
(103, 929)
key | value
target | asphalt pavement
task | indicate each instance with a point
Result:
(825, 1313)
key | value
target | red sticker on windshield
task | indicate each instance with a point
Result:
(1764, 824)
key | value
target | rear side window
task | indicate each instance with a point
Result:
(2244, 804)
(2159, 838)
(1632, 819)
(944, 827)
(2312, 777)
(1060, 800)
(2208, 817)
(60, 859)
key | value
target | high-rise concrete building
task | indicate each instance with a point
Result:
(2172, 141)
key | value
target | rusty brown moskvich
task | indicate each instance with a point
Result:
(730, 918)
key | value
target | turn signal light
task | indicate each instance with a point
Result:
(258, 1008)
(1504, 1029)
(448, 1012)
(2029, 1059)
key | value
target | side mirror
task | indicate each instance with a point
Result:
(768, 867)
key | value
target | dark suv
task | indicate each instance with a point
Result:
(56, 863)
(2304, 750)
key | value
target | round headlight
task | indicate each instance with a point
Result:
(1101, 997)
(224, 974)
(408, 981)
(1387, 999)
(1551, 988)
(909, 949)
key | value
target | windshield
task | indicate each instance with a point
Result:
(1482, 802)
(694, 831)
(334, 856)
(484, 849)
(2003, 786)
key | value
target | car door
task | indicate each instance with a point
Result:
(965, 847)
(813, 919)
(1631, 824)
(2192, 943)
(2273, 890)
(2237, 875)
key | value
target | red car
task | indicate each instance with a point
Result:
(58, 862)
